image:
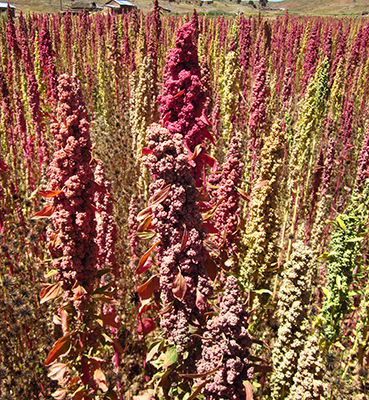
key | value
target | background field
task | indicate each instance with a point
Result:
(306, 7)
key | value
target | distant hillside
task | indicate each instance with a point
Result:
(306, 7)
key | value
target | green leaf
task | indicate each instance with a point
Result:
(354, 240)
(171, 356)
(338, 281)
(147, 235)
(103, 289)
(102, 272)
(341, 224)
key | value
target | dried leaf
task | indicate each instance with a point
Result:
(160, 195)
(100, 380)
(57, 371)
(166, 309)
(248, 389)
(59, 394)
(243, 194)
(46, 212)
(184, 238)
(145, 257)
(50, 292)
(262, 368)
(204, 374)
(61, 347)
(145, 306)
(179, 287)
(211, 247)
(49, 193)
(144, 214)
(201, 300)
(78, 291)
(153, 351)
(197, 391)
(146, 290)
(144, 224)
(196, 152)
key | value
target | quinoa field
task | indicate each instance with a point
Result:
(184, 205)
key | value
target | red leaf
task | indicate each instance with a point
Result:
(160, 195)
(145, 257)
(210, 161)
(260, 185)
(179, 287)
(179, 94)
(145, 306)
(146, 290)
(101, 189)
(61, 347)
(46, 212)
(3, 166)
(147, 151)
(49, 193)
(205, 120)
(207, 135)
(210, 228)
(109, 319)
(211, 268)
(145, 267)
(184, 238)
(50, 292)
(146, 325)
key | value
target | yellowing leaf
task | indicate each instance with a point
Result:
(61, 347)
(146, 290)
(46, 212)
(49, 193)
(146, 256)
